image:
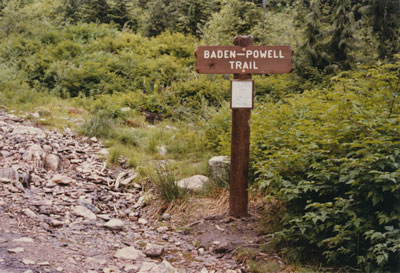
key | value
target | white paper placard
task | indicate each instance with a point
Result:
(242, 94)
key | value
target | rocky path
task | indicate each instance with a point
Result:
(63, 210)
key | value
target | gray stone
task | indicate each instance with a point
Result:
(166, 217)
(34, 154)
(140, 203)
(84, 212)
(29, 212)
(28, 262)
(219, 168)
(222, 247)
(132, 268)
(162, 150)
(52, 162)
(88, 205)
(129, 253)
(201, 251)
(56, 223)
(105, 217)
(8, 173)
(129, 179)
(35, 115)
(162, 230)
(164, 267)
(154, 251)
(115, 224)
(23, 240)
(27, 130)
(194, 183)
(62, 179)
(16, 250)
(149, 267)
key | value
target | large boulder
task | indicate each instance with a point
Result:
(219, 168)
(194, 183)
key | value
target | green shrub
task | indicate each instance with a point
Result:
(126, 136)
(99, 125)
(114, 156)
(165, 181)
(333, 158)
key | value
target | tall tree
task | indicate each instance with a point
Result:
(339, 45)
(236, 17)
(312, 57)
(385, 16)
(71, 10)
(119, 13)
(189, 16)
(158, 17)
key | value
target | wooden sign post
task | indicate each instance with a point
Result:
(243, 59)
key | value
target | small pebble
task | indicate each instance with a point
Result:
(15, 250)
(28, 262)
(23, 240)
(201, 251)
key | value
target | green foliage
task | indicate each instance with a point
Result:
(165, 181)
(333, 157)
(100, 125)
(236, 17)
(383, 17)
(114, 156)
(183, 16)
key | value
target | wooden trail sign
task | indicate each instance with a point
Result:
(243, 59)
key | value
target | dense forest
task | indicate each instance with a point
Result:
(325, 141)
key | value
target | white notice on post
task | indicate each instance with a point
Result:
(242, 94)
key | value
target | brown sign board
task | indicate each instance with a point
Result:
(250, 59)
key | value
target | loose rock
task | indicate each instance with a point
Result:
(115, 224)
(52, 162)
(28, 262)
(84, 212)
(219, 168)
(62, 179)
(23, 240)
(194, 183)
(129, 253)
(154, 251)
(16, 250)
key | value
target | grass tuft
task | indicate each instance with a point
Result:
(100, 125)
(164, 180)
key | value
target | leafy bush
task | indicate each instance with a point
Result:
(165, 181)
(333, 158)
(99, 125)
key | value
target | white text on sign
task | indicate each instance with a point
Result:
(232, 54)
